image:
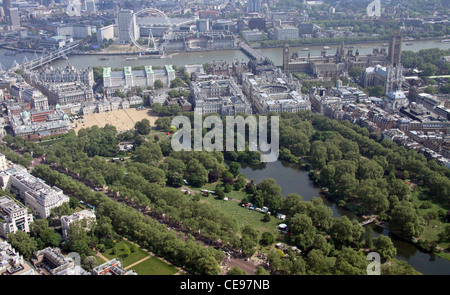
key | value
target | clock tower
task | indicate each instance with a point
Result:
(286, 58)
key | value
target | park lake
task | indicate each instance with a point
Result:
(292, 178)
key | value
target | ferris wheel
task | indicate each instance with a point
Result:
(131, 28)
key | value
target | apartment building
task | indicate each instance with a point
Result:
(33, 191)
(13, 217)
(66, 221)
(11, 262)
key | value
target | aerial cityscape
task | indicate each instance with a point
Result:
(98, 96)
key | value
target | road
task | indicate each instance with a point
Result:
(235, 258)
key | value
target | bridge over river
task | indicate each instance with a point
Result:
(48, 57)
(251, 52)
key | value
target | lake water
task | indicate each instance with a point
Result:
(294, 179)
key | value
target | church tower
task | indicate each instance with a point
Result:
(395, 48)
(394, 69)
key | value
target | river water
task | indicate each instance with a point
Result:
(294, 179)
(185, 58)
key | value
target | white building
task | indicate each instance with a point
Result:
(34, 192)
(274, 92)
(222, 96)
(285, 32)
(129, 78)
(57, 263)
(125, 19)
(14, 18)
(13, 217)
(394, 101)
(252, 35)
(66, 221)
(11, 262)
(36, 99)
(3, 162)
(108, 32)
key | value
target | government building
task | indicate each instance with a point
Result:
(128, 78)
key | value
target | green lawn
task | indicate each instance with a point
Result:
(435, 226)
(154, 266)
(100, 260)
(130, 259)
(243, 215)
(151, 266)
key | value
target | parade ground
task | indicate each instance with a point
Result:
(123, 119)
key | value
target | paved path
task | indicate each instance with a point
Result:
(102, 257)
(137, 262)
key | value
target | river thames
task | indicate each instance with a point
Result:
(200, 57)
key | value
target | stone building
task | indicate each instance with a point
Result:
(129, 78)
(219, 96)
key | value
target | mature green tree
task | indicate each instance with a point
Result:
(143, 127)
(38, 226)
(50, 238)
(249, 241)
(89, 263)
(429, 69)
(267, 239)
(405, 220)
(373, 197)
(176, 83)
(158, 84)
(321, 243)
(197, 174)
(240, 182)
(219, 191)
(163, 123)
(271, 193)
(236, 270)
(260, 271)
(294, 204)
(398, 268)
(22, 243)
(302, 231)
(60, 211)
(399, 188)
(319, 264)
(320, 213)
(350, 262)
(377, 91)
(234, 168)
(319, 154)
(148, 153)
(385, 247)
(355, 72)
(341, 231)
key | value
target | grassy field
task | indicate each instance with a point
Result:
(243, 215)
(154, 266)
(130, 259)
(435, 226)
(150, 266)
